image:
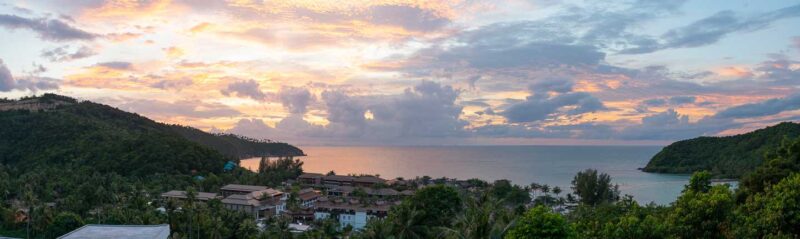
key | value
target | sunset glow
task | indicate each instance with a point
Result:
(404, 72)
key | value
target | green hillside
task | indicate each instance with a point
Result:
(724, 157)
(57, 130)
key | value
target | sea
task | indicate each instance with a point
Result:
(523, 165)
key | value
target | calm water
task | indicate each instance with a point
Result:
(553, 165)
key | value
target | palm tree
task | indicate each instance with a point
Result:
(280, 229)
(484, 217)
(191, 195)
(406, 221)
(377, 229)
(30, 200)
(215, 231)
(535, 187)
(557, 191)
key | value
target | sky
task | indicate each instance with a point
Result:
(407, 72)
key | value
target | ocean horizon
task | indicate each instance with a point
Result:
(554, 165)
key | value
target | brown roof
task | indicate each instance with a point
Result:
(310, 175)
(339, 178)
(368, 179)
(241, 199)
(343, 189)
(253, 198)
(243, 188)
(307, 194)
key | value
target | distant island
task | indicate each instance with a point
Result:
(724, 157)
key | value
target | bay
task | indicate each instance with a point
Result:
(552, 165)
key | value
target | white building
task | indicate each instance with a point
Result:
(351, 213)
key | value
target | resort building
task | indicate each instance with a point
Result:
(381, 193)
(181, 195)
(339, 180)
(119, 232)
(308, 197)
(232, 189)
(310, 178)
(351, 212)
(264, 203)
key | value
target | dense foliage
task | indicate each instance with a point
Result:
(593, 188)
(81, 162)
(236, 146)
(107, 139)
(87, 163)
(724, 157)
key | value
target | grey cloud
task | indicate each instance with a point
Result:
(478, 102)
(184, 108)
(555, 85)
(673, 101)
(542, 105)
(425, 110)
(64, 53)
(47, 29)
(764, 108)
(7, 82)
(32, 83)
(654, 102)
(345, 114)
(245, 88)
(409, 17)
(118, 65)
(713, 28)
(682, 100)
(296, 99)
(780, 71)
(533, 54)
(670, 125)
(172, 84)
(36, 83)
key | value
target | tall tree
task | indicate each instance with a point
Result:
(593, 188)
(541, 222)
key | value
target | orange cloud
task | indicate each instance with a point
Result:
(174, 52)
(122, 37)
(734, 71)
(129, 9)
(200, 27)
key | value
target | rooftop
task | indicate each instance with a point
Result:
(239, 199)
(253, 198)
(96, 231)
(243, 188)
(308, 194)
(310, 175)
(182, 195)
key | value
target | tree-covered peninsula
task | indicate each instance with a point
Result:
(725, 157)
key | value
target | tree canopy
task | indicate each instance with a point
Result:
(724, 157)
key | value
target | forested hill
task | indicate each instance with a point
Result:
(237, 146)
(57, 130)
(725, 157)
